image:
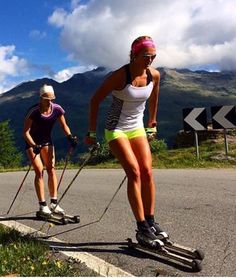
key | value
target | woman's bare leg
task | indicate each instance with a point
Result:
(143, 155)
(122, 150)
(38, 169)
(48, 156)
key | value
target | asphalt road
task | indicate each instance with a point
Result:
(196, 207)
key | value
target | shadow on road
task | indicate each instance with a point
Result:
(114, 248)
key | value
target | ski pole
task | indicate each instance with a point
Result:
(65, 166)
(92, 149)
(18, 191)
(95, 221)
(122, 182)
(91, 152)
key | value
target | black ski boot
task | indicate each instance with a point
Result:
(147, 238)
(155, 227)
(158, 231)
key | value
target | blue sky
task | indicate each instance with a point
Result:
(24, 25)
(58, 38)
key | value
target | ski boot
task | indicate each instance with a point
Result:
(148, 239)
(158, 231)
(44, 211)
(57, 210)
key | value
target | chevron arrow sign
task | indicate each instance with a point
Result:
(223, 117)
(195, 119)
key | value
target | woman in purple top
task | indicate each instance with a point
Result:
(38, 126)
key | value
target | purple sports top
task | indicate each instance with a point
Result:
(42, 125)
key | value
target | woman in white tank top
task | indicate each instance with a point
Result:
(131, 86)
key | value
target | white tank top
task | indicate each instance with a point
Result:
(128, 105)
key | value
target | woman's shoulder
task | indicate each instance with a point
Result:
(120, 72)
(117, 78)
(155, 74)
(58, 107)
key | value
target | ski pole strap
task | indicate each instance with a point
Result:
(92, 134)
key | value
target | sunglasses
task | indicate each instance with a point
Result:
(149, 56)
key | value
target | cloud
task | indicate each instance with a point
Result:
(10, 66)
(188, 34)
(65, 74)
(38, 35)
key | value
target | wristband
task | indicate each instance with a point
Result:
(92, 134)
(151, 129)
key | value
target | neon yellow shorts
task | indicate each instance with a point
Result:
(130, 134)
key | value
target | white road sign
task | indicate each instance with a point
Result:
(195, 118)
(223, 116)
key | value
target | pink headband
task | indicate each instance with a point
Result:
(139, 45)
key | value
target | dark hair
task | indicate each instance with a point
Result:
(141, 38)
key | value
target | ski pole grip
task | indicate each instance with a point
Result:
(92, 134)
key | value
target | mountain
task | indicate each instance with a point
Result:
(179, 89)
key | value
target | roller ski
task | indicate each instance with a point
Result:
(161, 245)
(45, 214)
(58, 211)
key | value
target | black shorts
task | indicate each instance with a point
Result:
(27, 146)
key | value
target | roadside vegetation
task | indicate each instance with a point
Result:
(211, 155)
(10, 156)
(25, 256)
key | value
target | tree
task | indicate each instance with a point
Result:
(10, 157)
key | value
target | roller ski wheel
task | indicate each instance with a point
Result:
(131, 244)
(64, 221)
(76, 218)
(199, 254)
(196, 266)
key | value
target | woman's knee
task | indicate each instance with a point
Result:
(50, 170)
(146, 174)
(39, 173)
(133, 173)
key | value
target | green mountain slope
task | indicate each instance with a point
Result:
(179, 89)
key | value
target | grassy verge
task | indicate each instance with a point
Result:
(212, 155)
(25, 256)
